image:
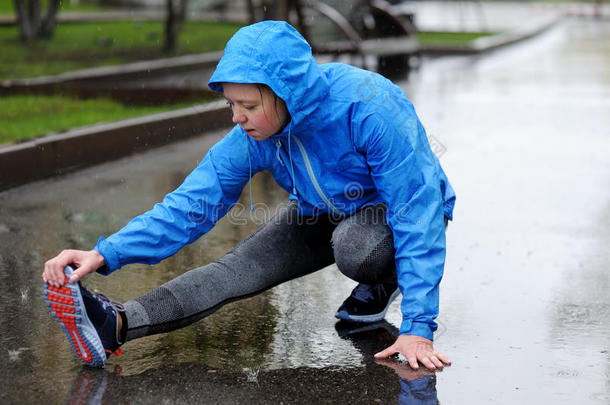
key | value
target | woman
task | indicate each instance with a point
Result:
(365, 190)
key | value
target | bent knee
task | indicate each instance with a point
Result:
(364, 255)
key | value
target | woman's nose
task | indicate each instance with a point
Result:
(238, 117)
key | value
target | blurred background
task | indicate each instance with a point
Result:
(51, 48)
(104, 108)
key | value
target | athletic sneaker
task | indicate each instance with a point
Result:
(368, 303)
(90, 321)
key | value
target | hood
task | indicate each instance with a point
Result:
(275, 54)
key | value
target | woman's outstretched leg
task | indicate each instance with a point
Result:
(286, 247)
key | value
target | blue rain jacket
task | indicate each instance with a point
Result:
(353, 140)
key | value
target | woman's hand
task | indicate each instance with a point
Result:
(85, 262)
(416, 348)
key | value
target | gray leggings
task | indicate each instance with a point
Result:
(287, 247)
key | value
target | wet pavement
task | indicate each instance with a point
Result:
(525, 312)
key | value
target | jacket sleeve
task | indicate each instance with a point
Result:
(406, 174)
(185, 214)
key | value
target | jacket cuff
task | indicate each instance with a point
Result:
(110, 257)
(423, 329)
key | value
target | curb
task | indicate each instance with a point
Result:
(76, 149)
(119, 72)
(122, 82)
(485, 44)
(64, 17)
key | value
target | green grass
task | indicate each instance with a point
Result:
(434, 38)
(8, 6)
(78, 46)
(27, 116)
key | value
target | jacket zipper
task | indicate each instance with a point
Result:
(313, 179)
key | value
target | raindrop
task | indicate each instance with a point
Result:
(13, 355)
(251, 375)
(567, 373)
(25, 292)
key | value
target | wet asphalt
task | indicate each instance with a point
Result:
(525, 312)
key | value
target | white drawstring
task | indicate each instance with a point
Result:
(294, 188)
(250, 166)
(278, 145)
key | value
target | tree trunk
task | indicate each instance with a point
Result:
(34, 14)
(282, 10)
(252, 11)
(296, 4)
(268, 7)
(48, 23)
(176, 14)
(26, 31)
(31, 25)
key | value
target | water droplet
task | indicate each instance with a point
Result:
(25, 293)
(13, 355)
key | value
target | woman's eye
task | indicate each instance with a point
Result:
(230, 104)
(249, 107)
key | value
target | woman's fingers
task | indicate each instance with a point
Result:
(85, 262)
(437, 363)
(443, 358)
(416, 350)
(81, 272)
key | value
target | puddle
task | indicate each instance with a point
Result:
(524, 303)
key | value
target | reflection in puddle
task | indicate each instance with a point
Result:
(201, 384)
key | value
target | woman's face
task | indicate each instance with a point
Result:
(255, 109)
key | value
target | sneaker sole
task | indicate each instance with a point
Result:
(67, 307)
(368, 318)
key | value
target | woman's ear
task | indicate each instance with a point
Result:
(282, 111)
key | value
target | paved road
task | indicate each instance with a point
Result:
(525, 314)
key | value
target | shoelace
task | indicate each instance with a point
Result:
(107, 301)
(363, 292)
